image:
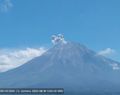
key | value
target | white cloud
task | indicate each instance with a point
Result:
(13, 58)
(107, 52)
(6, 5)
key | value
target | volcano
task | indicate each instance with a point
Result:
(67, 65)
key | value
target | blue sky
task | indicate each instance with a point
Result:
(30, 23)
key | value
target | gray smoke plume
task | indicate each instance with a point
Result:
(58, 39)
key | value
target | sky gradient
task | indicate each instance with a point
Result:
(30, 23)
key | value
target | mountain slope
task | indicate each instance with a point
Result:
(66, 65)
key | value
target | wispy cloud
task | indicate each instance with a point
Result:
(110, 53)
(6, 5)
(107, 52)
(115, 66)
(13, 58)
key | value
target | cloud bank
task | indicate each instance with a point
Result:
(10, 59)
(5, 5)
